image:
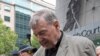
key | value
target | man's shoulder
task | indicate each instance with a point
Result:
(80, 40)
(77, 39)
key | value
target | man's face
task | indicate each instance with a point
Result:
(47, 34)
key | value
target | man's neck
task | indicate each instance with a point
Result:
(59, 39)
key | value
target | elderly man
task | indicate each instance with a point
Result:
(55, 42)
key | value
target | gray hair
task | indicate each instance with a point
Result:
(46, 14)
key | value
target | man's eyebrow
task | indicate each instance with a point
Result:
(42, 31)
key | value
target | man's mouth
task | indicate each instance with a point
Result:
(44, 43)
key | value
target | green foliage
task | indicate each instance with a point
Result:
(1, 21)
(25, 42)
(7, 39)
(35, 42)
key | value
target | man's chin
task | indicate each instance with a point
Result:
(48, 47)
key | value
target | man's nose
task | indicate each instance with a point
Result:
(40, 38)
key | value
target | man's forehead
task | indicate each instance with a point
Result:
(40, 23)
(36, 31)
(38, 26)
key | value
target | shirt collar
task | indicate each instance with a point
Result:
(58, 43)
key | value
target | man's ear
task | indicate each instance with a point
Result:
(56, 24)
